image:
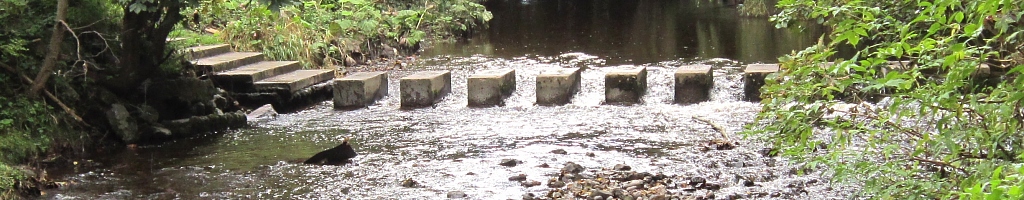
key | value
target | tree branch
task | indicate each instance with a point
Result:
(49, 95)
(53, 50)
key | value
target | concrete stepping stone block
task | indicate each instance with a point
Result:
(557, 86)
(198, 52)
(625, 86)
(490, 87)
(693, 83)
(753, 79)
(294, 81)
(424, 88)
(241, 79)
(360, 89)
(228, 61)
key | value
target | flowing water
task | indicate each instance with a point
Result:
(450, 147)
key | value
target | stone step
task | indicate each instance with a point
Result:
(693, 83)
(753, 79)
(242, 78)
(424, 88)
(295, 80)
(490, 87)
(625, 86)
(227, 61)
(557, 86)
(206, 50)
(360, 89)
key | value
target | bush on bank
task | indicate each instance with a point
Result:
(938, 130)
(326, 32)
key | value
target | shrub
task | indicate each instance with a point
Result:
(938, 129)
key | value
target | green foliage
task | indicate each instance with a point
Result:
(757, 8)
(320, 32)
(8, 177)
(940, 127)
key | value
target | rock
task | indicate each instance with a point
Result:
(554, 183)
(572, 168)
(520, 177)
(659, 189)
(600, 193)
(161, 131)
(529, 196)
(768, 152)
(122, 123)
(697, 181)
(544, 165)
(590, 154)
(349, 61)
(659, 197)
(556, 195)
(622, 167)
(509, 162)
(747, 183)
(470, 173)
(531, 183)
(149, 114)
(409, 183)
(559, 151)
(618, 193)
(633, 183)
(457, 194)
(265, 111)
(220, 102)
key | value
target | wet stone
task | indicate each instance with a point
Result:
(557, 86)
(423, 89)
(693, 83)
(520, 177)
(622, 167)
(410, 183)
(360, 89)
(457, 194)
(590, 154)
(554, 183)
(753, 79)
(625, 86)
(531, 183)
(559, 151)
(490, 87)
(544, 165)
(572, 168)
(509, 162)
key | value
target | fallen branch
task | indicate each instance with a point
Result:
(715, 126)
(49, 95)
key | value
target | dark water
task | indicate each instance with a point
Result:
(454, 148)
(630, 32)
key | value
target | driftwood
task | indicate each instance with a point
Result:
(49, 95)
(721, 130)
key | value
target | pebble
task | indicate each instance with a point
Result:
(410, 183)
(531, 183)
(590, 154)
(553, 183)
(456, 194)
(509, 162)
(559, 151)
(544, 165)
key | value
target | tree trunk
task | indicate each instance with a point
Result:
(53, 51)
(144, 42)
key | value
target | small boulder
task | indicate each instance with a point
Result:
(265, 111)
(520, 177)
(590, 154)
(572, 168)
(559, 151)
(530, 183)
(122, 123)
(622, 167)
(509, 162)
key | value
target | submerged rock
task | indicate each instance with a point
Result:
(573, 168)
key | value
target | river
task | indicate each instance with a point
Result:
(451, 147)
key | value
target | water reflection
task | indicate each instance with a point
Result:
(630, 32)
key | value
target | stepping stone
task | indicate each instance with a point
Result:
(557, 86)
(206, 51)
(295, 80)
(753, 79)
(424, 88)
(228, 61)
(242, 78)
(490, 87)
(360, 89)
(693, 84)
(626, 86)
